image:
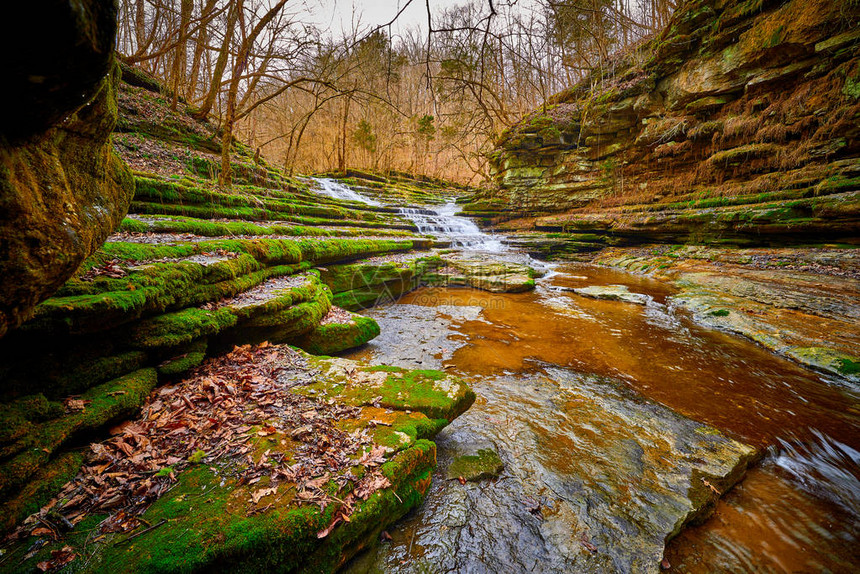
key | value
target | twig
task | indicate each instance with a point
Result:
(142, 532)
(409, 552)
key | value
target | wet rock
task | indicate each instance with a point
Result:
(62, 190)
(485, 273)
(600, 486)
(474, 467)
(800, 303)
(613, 293)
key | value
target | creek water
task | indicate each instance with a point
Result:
(580, 397)
(533, 358)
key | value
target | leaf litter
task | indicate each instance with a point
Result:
(217, 417)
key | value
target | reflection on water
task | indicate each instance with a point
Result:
(796, 513)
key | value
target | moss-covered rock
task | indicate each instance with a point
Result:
(94, 409)
(333, 337)
(209, 521)
(486, 463)
(62, 193)
(485, 273)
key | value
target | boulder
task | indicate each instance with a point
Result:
(62, 191)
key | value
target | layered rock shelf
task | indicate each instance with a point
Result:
(274, 459)
(191, 272)
(737, 124)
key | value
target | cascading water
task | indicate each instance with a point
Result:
(338, 190)
(461, 231)
(442, 223)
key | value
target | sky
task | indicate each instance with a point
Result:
(335, 16)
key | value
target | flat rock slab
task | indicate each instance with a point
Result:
(270, 460)
(597, 488)
(811, 320)
(481, 465)
(613, 293)
(488, 274)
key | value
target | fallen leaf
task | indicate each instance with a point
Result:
(326, 531)
(59, 558)
(259, 494)
(266, 431)
(711, 486)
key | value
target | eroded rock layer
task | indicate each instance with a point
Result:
(739, 123)
(62, 190)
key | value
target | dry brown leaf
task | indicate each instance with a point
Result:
(257, 495)
(59, 558)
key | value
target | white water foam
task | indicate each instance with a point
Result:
(338, 190)
(462, 232)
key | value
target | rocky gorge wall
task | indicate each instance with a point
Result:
(62, 189)
(739, 123)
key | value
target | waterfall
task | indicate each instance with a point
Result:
(338, 190)
(460, 231)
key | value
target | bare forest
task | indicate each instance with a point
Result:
(430, 100)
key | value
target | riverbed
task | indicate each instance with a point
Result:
(580, 481)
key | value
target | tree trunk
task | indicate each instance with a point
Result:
(221, 63)
(342, 156)
(225, 178)
(179, 62)
(199, 49)
(139, 26)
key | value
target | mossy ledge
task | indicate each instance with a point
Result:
(206, 522)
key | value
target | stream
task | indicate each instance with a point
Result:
(591, 405)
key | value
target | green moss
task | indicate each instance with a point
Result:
(180, 328)
(433, 393)
(207, 526)
(40, 488)
(485, 464)
(159, 287)
(719, 313)
(336, 337)
(104, 404)
(16, 417)
(851, 89)
(76, 378)
(184, 362)
(848, 366)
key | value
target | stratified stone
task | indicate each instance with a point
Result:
(210, 521)
(485, 273)
(474, 467)
(613, 293)
(62, 191)
(729, 126)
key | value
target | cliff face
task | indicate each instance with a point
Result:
(62, 190)
(739, 122)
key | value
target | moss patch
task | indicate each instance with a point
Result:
(485, 464)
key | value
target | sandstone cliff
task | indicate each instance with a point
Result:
(738, 123)
(62, 190)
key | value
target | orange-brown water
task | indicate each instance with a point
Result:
(797, 513)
